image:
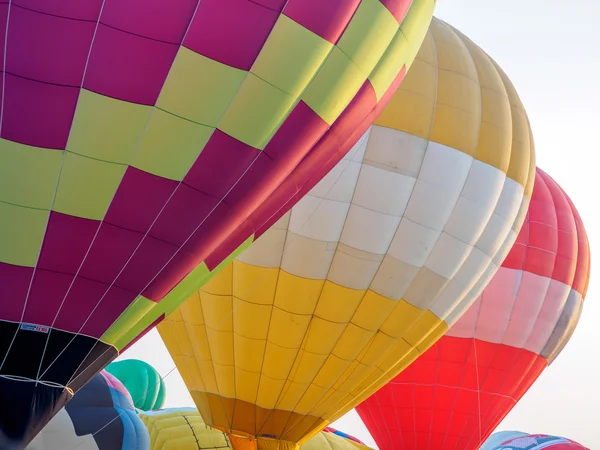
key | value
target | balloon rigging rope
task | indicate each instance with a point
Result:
(210, 332)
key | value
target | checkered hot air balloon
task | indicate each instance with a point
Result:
(136, 136)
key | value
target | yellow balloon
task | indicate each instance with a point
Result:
(371, 267)
(184, 429)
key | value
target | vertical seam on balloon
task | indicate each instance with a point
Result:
(396, 413)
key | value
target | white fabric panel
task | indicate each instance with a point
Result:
(307, 258)
(368, 230)
(472, 295)
(468, 220)
(431, 205)
(317, 218)
(395, 150)
(497, 302)
(448, 300)
(547, 319)
(339, 183)
(357, 152)
(528, 304)
(509, 241)
(510, 199)
(413, 243)
(448, 255)
(472, 268)
(383, 191)
(266, 251)
(484, 183)
(445, 167)
(465, 326)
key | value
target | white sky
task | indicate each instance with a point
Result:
(550, 49)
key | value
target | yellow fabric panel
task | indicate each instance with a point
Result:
(411, 108)
(458, 106)
(495, 135)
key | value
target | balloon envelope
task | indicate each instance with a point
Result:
(374, 264)
(458, 392)
(135, 136)
(145, 384)
(184, 429)
(100, 416)
(516, 440)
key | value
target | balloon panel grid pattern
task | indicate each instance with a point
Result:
(134, 135)
(374, 264)
(457, 393)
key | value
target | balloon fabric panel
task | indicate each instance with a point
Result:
(135, 136)
(370, 267)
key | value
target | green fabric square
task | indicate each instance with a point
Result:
(334, 87)
(199, 88)
(106, 128)
(21, 234)
(28, 175)
(87, 186)
(256, 112)
(291, 56)
(170, 145)
(369, 33)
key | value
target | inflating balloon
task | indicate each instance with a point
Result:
(143, 382)
(458, 392)
(99, 417)
(516, 440)
(184, 429)
(372, 266)
(137, 135)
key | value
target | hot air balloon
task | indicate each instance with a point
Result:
(516, 440)
(457, 393)
(143, 382)
(100, 416)
(184, 429)
(373, 265)
(136, 135)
